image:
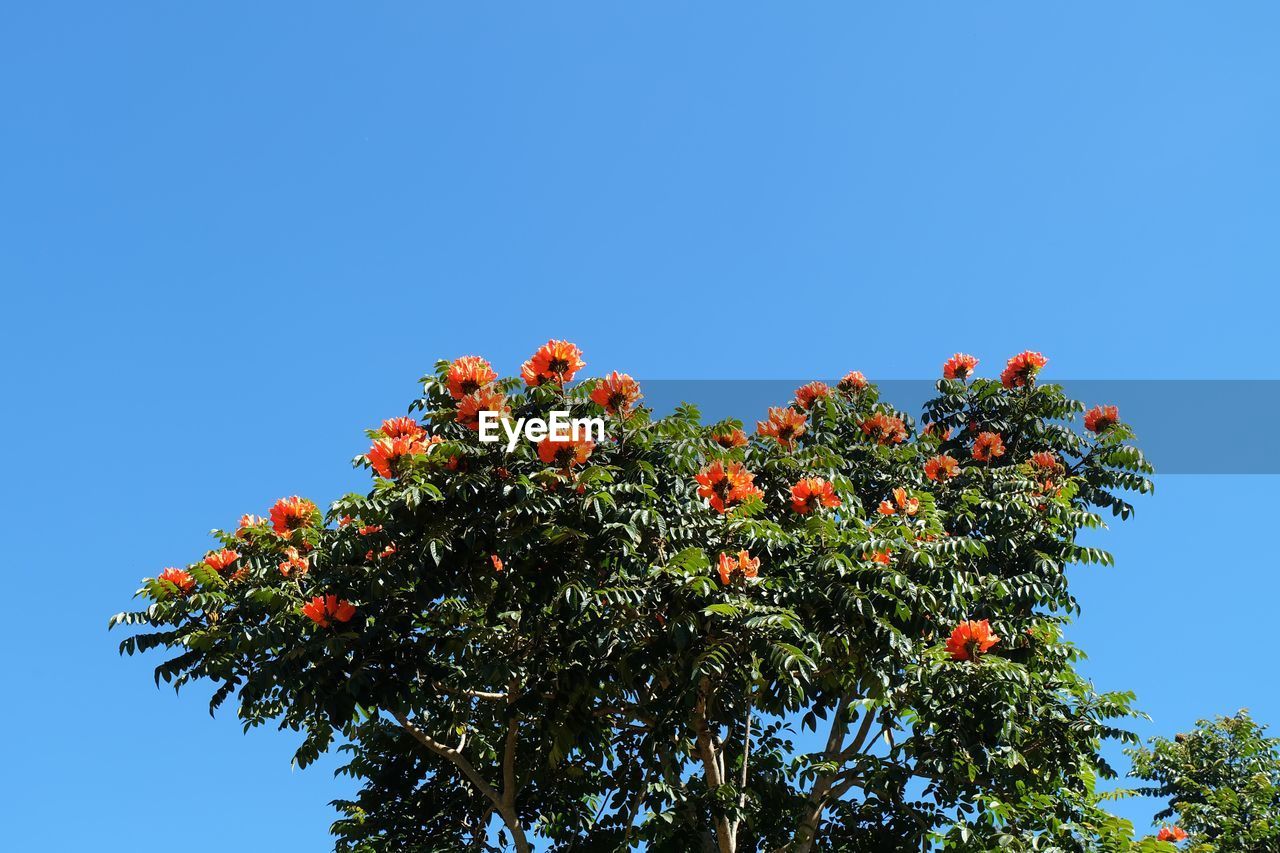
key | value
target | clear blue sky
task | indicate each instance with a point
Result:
(233, 234)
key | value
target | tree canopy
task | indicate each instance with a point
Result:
(1221, 781)
(841, 633)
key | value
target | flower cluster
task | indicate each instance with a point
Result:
(743, 564)
(555, 362)
(941, 468)
(885, 429)
(812, 493)
(617, 394)
(1022, 369)
(971, 639)
(564, 452)
(1101, 418)
(327, 609)
(959, 366)
(294, 513)
(987, 446)
(901, 503)
(725, 486)
(784, 425)
(807, 395)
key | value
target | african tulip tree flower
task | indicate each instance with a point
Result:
(901, 503)
(327, 609)
(467, 375)
(290, 514)
(730, 438)
(881, 557)
(959, 366)
(1100, 418)
(1022, 369)
(220, 560)
(179, 578)
(386, 453)
(401, 428)
(941, 434)
(497, 562)
(742, 564)
(811, 493)
(617, 393)
(941, 468)
(783, 425)
(724, 487)
(970, 639)
(852, 383)
(294, 563)
(807, 395)
(1044, 460)
(248, 522)
(564, 452)
(484, 400)
(555, 362)
(1172, 833)
(885, 429)
(987, 446)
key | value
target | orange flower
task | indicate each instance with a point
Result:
(959, 366)
(807, 395)
(564, 452)
(402, 428)
(247, 522)
(784, 425)
(882, 557)
(371, 555)
(932, 429)
(484, 400)
(370, 529)
(811, 493)
(1172, 833)
(1100, 418)
(467, 375)
(730, 438)
(941, 468)
(971, 639)
(743, 564)
(219, 560)
(885, 429)
(617, 393)
(987, 446)
(1044, 460)
(386, 453)
(290, 514)
(555, 362)
(724, 487)
(901, 503)
(294, 562)
(325, 610)
(497, 562)
(852, 383)
(1022, 369)
(179, 578)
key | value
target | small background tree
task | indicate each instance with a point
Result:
(1221, 781)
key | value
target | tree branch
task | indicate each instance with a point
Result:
(457, 759)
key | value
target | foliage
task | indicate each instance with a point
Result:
(576, 641)
(1222, 782)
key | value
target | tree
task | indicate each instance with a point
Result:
(1221, 781)
(624, 642)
